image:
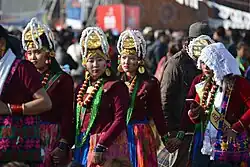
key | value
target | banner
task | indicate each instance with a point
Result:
(132, 17)
(111, 17)
(230, 18)
(118, 17)
(74, 14)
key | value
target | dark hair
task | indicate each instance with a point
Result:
(221, 31)
(54, 66)
(161, 34)
(242, 43)
(9, 41)
(235, 35)
(174, 47)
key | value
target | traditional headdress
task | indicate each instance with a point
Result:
(94, 42)
(132, 42)
(37, 36)
(197, 44)
(218, 59)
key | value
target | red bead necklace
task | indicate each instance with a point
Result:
(90, 96)
(207, 103)
(131, 85)
(45, 79)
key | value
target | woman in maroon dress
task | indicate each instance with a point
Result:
(56, 129)
(145, 102)
(101, 106)
(21, 96)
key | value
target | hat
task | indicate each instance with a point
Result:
(197, 44)
(199, 28)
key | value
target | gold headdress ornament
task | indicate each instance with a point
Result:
(132, 42)
(32, 36)
(197, 44)
(93, 42)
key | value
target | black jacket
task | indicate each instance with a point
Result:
(178, 75)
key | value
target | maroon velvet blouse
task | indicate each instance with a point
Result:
(61, 95)
(24, 82)
(148, 105)
(111, 117)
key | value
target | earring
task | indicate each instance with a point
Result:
(48, 61)
(52, 54)
(86, 74)
(119, 68)
(108, 72)
(141, 70)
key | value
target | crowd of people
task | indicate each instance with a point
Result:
(138, 99)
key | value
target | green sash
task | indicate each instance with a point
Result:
(52, 80)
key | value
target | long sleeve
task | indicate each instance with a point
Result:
(120, 98)
(67, 124)
(169, 87)
(154, 105)
(244, 90)
(186, 123)
(30, 76)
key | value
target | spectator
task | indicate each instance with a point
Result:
(220, 36)
(62, 57)
(243, 56)
(156, 51)
(235, 37)
(178, 75)
(174, 47)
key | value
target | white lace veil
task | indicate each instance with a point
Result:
(218, 59)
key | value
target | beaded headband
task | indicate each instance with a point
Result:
(132, 42)
(37, 36)
(94, 42)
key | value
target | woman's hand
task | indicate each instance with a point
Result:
(4, 109)
(230, 134)
(59, 156)
(98, 158)
(173, 144)
(195, 111)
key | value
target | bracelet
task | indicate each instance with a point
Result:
(180, 135)
(63, 146)
(100, 148)
(16, 109)
(165, 138)
(190, 114)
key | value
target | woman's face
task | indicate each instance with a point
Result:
(38, 57)
(205, 70)
(2, 46)
(129, 63)
(96, 66)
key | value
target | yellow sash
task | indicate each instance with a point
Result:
(215, 117)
